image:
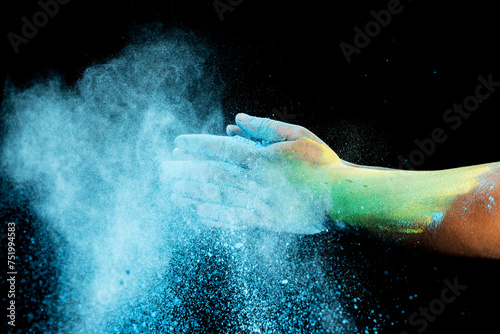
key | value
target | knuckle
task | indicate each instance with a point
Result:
(265, 123)
(302, 132)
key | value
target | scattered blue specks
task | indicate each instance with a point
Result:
(437, 218)
(106, 202)
(492, 200)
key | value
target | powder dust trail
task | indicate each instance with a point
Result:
(131, 261)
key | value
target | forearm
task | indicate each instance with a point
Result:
(471, 226)
(451, 210)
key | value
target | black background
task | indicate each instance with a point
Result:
(286, 54)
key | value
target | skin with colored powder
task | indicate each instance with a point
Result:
(360, 195)
(282, 177)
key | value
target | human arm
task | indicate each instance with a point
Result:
(452, 210)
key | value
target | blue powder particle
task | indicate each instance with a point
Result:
(135, 105)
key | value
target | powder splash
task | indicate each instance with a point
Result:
(129, 260)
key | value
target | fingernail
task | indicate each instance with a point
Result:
(242, 117)
(180, 141)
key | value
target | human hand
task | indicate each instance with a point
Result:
(265, 173)
(282, 177)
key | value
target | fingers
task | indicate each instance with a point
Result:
(235, 130)
(205, 172)
(230, 149)
(221, 216)
(218, 194)
(212, 181)
(180, 154)
(271, 130)
(216, 215)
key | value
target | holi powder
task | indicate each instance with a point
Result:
(125, 259)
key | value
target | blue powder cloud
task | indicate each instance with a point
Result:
(131, 260)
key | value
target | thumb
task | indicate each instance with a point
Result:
(271, 130)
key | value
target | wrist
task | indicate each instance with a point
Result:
(395, 200)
